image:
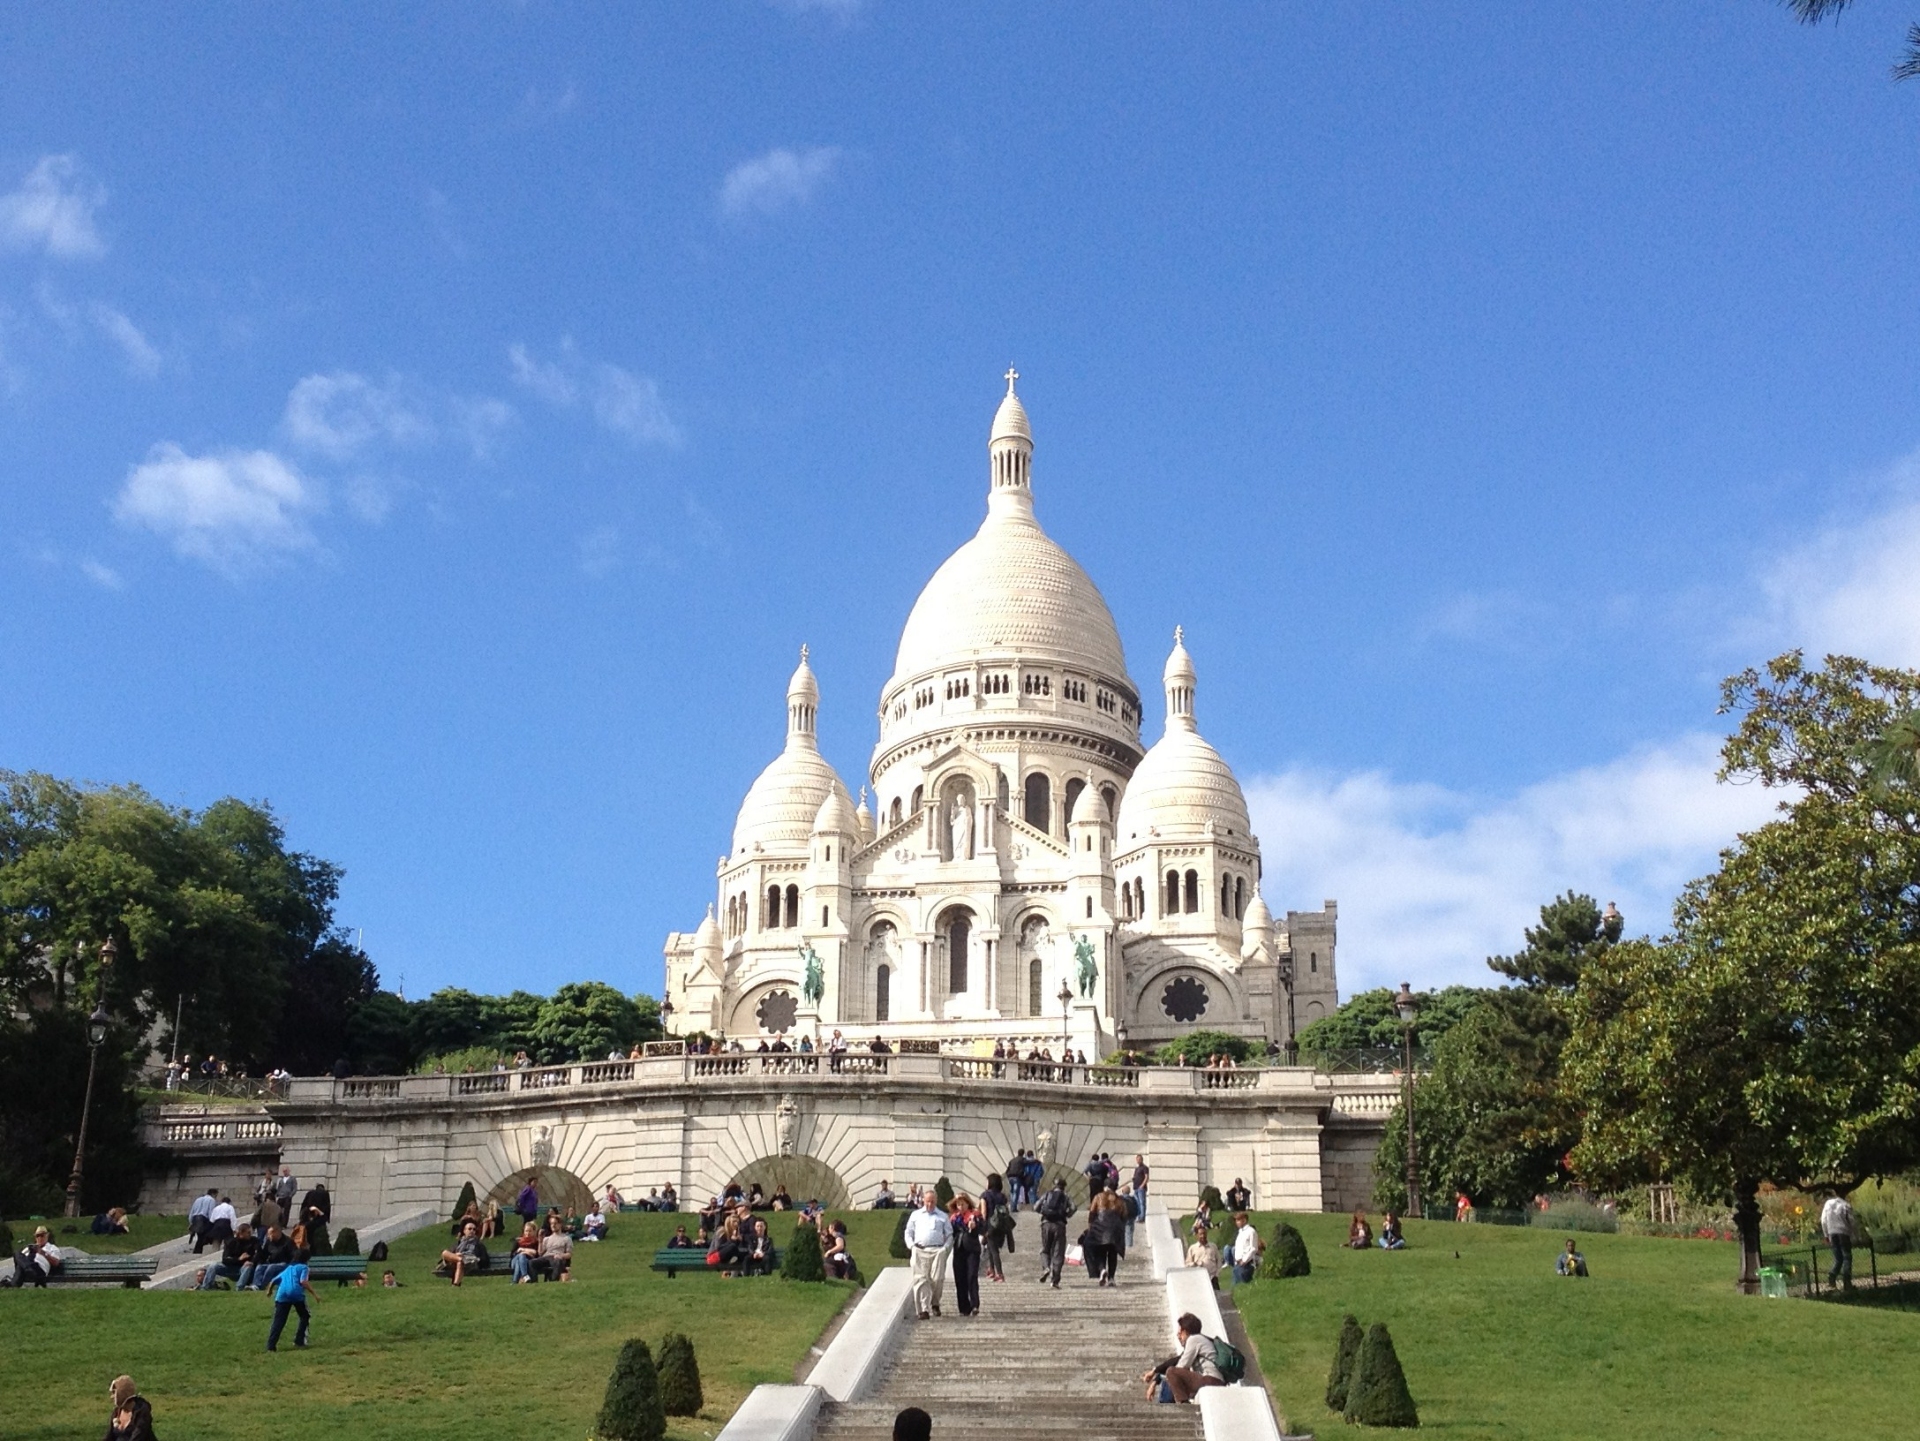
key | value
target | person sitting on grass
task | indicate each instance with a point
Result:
(556, 1251)
(1390, 1237)
(594, 1226)
(526, 1254)
(681, 1240)
(839, 1260)
(389, 1281)
(757, 1254)
(1205, 1255)
(1359, 1233)
(1570, 1262)
(1182, 1374)
(467, 1253)
(1238, 1197)
(132, 1418)
(494, 1223)
(236, 1259)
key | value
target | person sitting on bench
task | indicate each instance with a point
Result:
(236, 1259)
(526, 1254)
(34, 1265)
(556, 1251)
(467, 1253)
(681, 1240)
(757, 1253)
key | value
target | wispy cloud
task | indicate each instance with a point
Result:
(1855, 586)
(104, 576)
(139, 352)
(599, 552)
(620, 401)
(342, 414)
(776, 181)
(1431, 881)
(235, 511)
(52, 211)
(842, 10)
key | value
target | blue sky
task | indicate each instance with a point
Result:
(448, 427)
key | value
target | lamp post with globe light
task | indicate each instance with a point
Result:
(1407, 1005)
(97, 1025)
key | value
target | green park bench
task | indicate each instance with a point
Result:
(335, 1268)
(675, 1259)
(127, 1271)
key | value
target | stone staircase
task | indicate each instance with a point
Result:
(1035, 1364)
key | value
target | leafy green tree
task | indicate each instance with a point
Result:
(633, 1409)
(1369, 1020)
(380, 1036)
(1197, 1046)
(897, 1243)
(466, 1198)
(584, 1022)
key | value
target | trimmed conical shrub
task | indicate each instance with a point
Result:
(632, 1410)
(679, 1376)
(347, 1243)
(1286, 1255)
(1210, 1200)
(1345, 1353)
(1378, 1394)
(467, 1199)
(897, 1247)
(943, 1192)
(803, 1261)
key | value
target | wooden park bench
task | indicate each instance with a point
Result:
(128, 1271)
(675, 1259)
(336, 1268)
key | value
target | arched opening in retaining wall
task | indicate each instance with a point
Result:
(806, 1179)
(554, 1186)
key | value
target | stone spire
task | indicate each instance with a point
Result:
(803, 705)
(1180, 679)
(1010, 456)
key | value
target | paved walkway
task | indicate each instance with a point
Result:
(1036, 1363)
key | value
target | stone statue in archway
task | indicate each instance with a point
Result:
(541, 1152)
(1043, 1148)
(1089, 968)
(960, 827)
(787, 1125)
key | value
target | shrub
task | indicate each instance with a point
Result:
(1286, 1255)
(1345, 1352)
(1570, 1213)
(943, 1192)
(1890, 1210)
(1378, 1395)
(467, 1198)
(1210, 1200)
(1197, 1046)
(897, 1247)
(679, 1373)
(803, 1261)
(465, 1061)
(317, 1241)
(347, 1243)
(632, 1410)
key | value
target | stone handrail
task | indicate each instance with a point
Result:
(175, 1132)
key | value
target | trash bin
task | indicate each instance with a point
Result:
(1773, 1282)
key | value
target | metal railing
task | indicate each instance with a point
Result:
(1810, 1273)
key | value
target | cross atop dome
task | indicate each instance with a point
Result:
(1011, 376)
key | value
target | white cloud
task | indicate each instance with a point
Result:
(620, 401)
(630, 405)
(53, 211)
(599, 551)
(1855, 587)
(104, 576)
(141, 357)
(1431, 882)
(343, 414)
(545, 379)
(233, 510)
(481, 421)
(776, 180)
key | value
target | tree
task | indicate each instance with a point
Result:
(1812, 12)
(1340, 1375)
(1378, 1394)
(583, 1022)
(632, 1410)
(1369, 1021)
(1197, 1046)
(803, 1260)
(465, 1199)
(679, 1371)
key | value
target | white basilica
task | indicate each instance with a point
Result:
(1022, 843)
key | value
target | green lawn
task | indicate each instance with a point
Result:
(146, 1231)
(423, 1362)
(1656, 1343)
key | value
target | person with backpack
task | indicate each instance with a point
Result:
(1055, 1209)
(1193, 1366)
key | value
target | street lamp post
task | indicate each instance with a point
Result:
(666, 1018)
(1066, 1026)
(97, 1025)
(1406, 1005)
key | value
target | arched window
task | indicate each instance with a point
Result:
(882, 993)
(1173, 894)
(917, 790)
(1313, 961)
(1193, 892)
(893, 816)
(1139, 897)
(1033, 986)
(958, 932)
(1038, 811)
(1226, 896)
(1126, 900)
(772, 918)
(1003, 792)
(1112, 798)
(1074, 788)
(793, 906)
(1089, 907)
(1240, 902)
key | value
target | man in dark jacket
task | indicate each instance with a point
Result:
(274, 1255)
(1056, 1208)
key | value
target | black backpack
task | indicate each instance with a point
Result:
(379, 1251)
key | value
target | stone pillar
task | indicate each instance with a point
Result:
(1290, 1163)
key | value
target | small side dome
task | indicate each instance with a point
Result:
(1182, 785)
(863, 814)
(784, 800)
(1256, 938)
(836, 816)
(707, 937)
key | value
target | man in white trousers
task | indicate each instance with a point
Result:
(929, 1237)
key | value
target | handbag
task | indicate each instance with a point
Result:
(713, 1258)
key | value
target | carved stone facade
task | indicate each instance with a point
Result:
(1018, 830)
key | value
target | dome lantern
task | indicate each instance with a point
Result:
(803, 704)
(1180, 681)
(1010, 454)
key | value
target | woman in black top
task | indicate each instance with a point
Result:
(968, 1224)
(997, 1213)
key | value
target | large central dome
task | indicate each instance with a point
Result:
(1010, 592)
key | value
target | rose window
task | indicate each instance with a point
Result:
(1184, 999)
(777, 1011)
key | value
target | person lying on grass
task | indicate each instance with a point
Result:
(467, 1253)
